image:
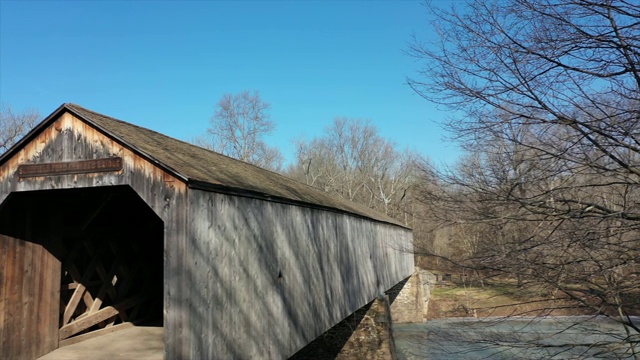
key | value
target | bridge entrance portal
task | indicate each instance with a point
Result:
(79, 263)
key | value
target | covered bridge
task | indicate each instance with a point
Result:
(106, 225)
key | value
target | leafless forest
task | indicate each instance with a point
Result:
(547, 195)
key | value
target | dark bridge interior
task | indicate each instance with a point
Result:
(106, 256)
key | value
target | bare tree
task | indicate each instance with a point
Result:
(14, 125)
(550, 92)
(238, 128)
(315, 164)
(353, 161)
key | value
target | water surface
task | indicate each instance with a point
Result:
(564, 337)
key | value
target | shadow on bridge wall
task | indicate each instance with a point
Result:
(265, 279)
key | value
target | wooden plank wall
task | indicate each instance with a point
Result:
(29, 295)
(264, 279)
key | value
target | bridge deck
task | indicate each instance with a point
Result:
(139, 342)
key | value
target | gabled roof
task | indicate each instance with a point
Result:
(204, 169)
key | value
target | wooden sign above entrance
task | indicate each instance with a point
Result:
(70, 167)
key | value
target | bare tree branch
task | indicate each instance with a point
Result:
(238, 128)
(549, 192)
(14, 125)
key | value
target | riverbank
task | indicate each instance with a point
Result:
(457, 299)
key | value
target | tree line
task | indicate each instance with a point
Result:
(350, 159)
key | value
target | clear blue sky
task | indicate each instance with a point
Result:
(164, 64)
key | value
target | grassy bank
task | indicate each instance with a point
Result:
(455, 299)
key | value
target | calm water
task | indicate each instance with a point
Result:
(566, 337)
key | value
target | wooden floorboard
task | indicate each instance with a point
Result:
(140, 342)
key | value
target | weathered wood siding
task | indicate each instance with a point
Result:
(28, 299)
(70, 139)
(266, 278)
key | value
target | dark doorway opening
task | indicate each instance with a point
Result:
(106, 248)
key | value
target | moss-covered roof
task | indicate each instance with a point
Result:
(208, 170)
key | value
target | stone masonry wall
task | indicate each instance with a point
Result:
(373, 338)
(364, 335)
(410, 298)
(428, 281)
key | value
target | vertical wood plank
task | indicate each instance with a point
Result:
(29, 298)
(51, 303)
(6, 264)
(15, 299)
(176, 277)
(45, 326)
(26, 299)
(39, 261)
(38, 283)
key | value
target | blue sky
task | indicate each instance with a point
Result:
(164, 64)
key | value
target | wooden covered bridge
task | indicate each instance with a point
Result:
(105, 225)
